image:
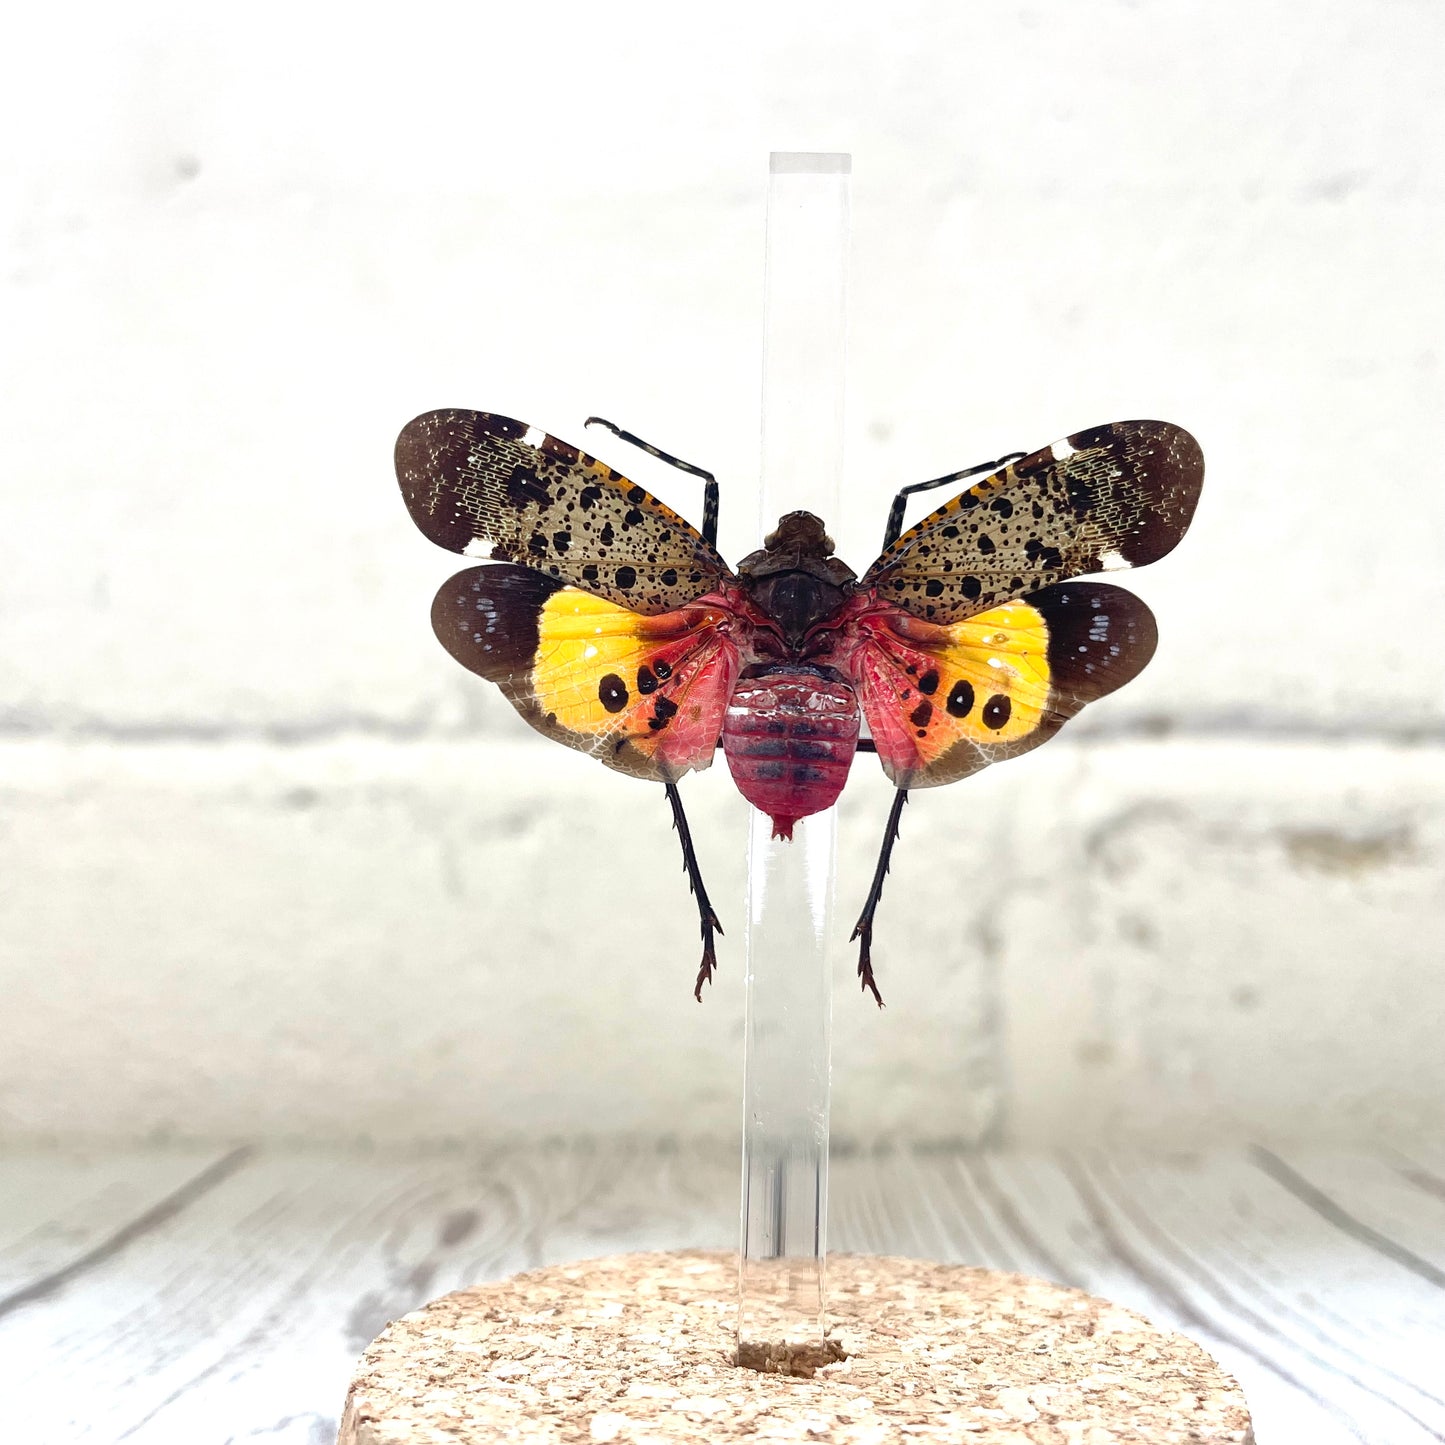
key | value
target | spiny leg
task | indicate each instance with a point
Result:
(864, 928)
(709, 492)
(894, 529)
(707, 917)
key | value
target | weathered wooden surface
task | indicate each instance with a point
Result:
(638, 1347)
(214, 1296)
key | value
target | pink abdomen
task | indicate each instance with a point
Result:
(789, 738)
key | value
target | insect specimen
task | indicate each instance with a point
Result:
(613, 625)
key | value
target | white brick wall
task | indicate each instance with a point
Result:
(251, 865)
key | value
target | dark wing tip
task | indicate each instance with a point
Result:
(486, 617)
(1164, 467)
(432, 452)
(1100, 637)
(1176, 455)
(436, 443)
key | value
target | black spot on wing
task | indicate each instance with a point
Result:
(996, 711)
(960, 699)
(524, 487)
(612, 692)
(1050, 559)
(663, 712)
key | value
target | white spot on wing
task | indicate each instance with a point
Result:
(477, 547)
(534, 436)
(1111, 560)
(1062, 451)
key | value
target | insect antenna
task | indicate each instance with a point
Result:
(894, 529)
(864, 928)
(709, 492)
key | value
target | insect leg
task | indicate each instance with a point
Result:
(864, 929)
(894, 528)
(709, 492)
(706, 916)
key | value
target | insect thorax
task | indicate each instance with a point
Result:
(794, 578)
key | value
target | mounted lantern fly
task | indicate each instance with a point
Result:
(613, 626)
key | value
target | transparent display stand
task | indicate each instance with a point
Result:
(787, 1070)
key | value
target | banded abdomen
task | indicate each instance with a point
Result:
(789, 737)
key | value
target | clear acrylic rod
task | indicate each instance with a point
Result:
(787, 1068)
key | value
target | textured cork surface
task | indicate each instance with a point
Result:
(638, 1348)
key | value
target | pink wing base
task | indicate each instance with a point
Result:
(866, 648)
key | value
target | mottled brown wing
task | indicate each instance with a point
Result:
(491, 487)
(1108, 498)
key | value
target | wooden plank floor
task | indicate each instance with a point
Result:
(210, 1296)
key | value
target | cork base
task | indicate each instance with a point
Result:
(639, 1347)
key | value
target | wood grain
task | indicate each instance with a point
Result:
(64, 1212)
(233, 1309)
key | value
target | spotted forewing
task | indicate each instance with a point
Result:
(488, 486)
(1102, 500)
